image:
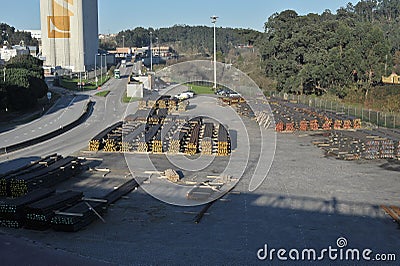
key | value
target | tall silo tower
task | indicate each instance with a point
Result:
(69, 33)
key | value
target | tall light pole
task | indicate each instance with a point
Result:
(151, 52)
(214, 21)
(123, 41)
(101, 69)
(95, 71)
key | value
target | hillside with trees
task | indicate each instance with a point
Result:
(343, 53)
(193, 40)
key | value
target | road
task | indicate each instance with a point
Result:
(66, 110)
(107, 110)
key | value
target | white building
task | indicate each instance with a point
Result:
(69, 33)
(36, 34)
(6, 54)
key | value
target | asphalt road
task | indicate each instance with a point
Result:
(66, 110)
(107, 110)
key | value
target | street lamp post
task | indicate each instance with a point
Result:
(4, 74)
(123, 41)
(151, 52)
(214, 21)
(101, 68)
(95, 71)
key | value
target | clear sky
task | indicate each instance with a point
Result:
(117, 15)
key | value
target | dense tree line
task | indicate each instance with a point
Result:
(333, 52)
(11, 36)
(186, 39)
(24, 83)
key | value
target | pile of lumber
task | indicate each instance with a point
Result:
(193, 142)
(362, 144)
(171, 175)
(97, 142)
(176, 142)
(290, 116)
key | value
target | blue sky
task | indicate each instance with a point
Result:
(117, 15)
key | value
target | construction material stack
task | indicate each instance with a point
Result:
(193, 142)
(40, 213)
(207, 139)
(49, 176)
(12, 211)
(223, 144)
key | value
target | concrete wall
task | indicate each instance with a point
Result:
(135, 90)
(69, 33)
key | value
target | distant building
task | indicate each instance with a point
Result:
(36, 34)
(392, 79)
(33, 50)
(6, 53)
(69, 33)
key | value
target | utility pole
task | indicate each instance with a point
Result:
(214, 21)
(151, 52)
(95, 71)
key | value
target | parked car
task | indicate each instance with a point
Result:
(190, 93)
(234, 95)
(182, 96)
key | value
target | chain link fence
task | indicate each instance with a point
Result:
(378, 118)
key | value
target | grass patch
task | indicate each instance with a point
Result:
(102, 93)
(200, 89)
(71, 84)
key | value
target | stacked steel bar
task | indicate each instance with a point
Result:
(51, 175)
(84, 213)
(5, 179)
(40, 213)
(207, 139)
(223, 142)
(12, 211)
(78, 216)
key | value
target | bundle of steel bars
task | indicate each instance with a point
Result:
(40, 213)
(12, 211)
